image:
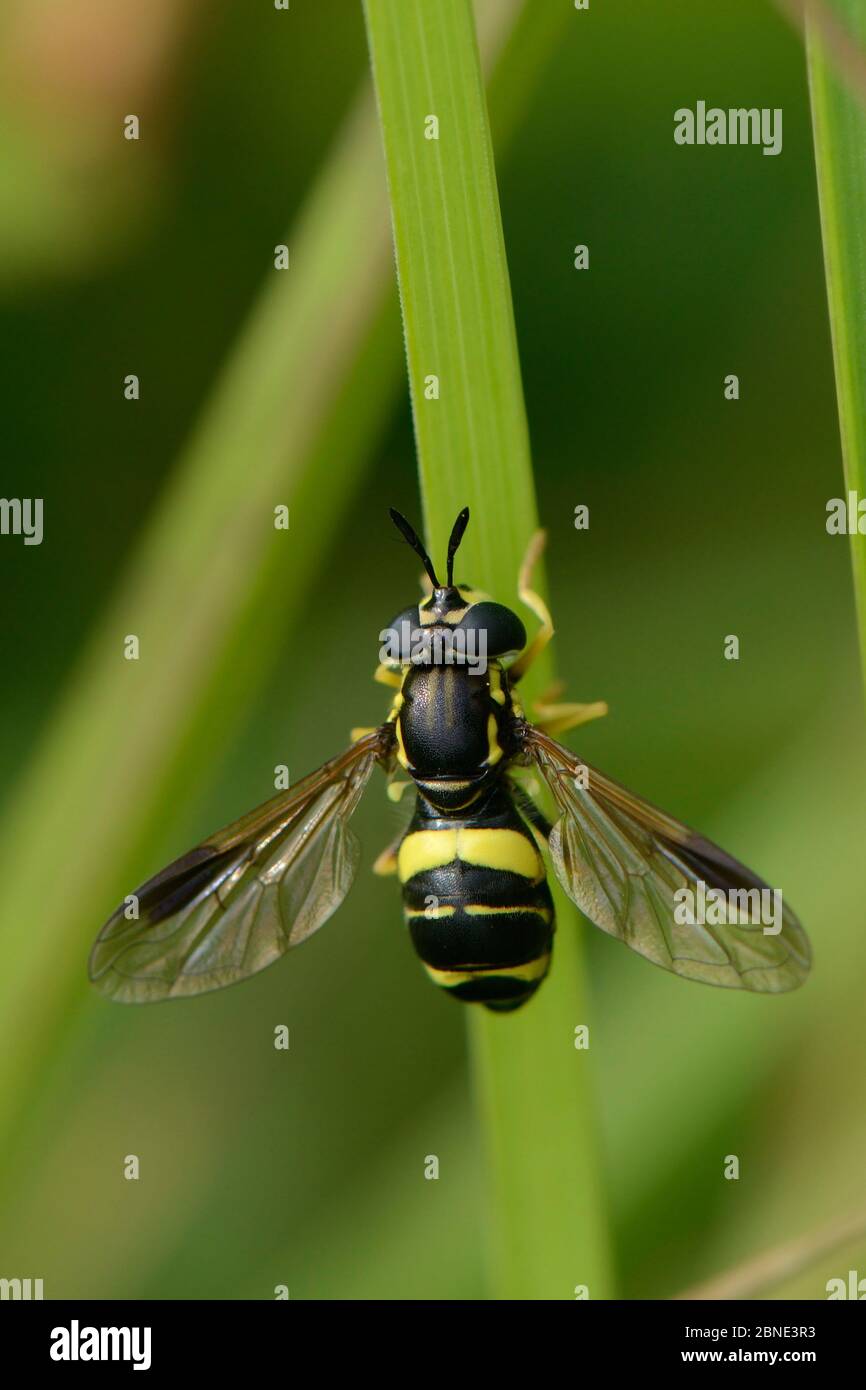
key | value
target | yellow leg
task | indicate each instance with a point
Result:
(360, 733)
(395, 790)
(553, 718)
(386, 863)
(556, 719)
(551, 695)
(538, 606)
(385, 676)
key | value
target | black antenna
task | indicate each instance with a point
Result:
(409, 534)
(456, 537)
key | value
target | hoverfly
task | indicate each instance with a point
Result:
(475, 894)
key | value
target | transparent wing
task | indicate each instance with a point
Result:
(246, 895)
(622, 861)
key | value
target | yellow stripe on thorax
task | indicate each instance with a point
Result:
(494, 747)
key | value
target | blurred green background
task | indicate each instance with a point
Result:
(306, 1167)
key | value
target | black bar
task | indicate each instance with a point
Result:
(244, 1336)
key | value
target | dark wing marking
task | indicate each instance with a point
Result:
(241, 899)
(622, 860)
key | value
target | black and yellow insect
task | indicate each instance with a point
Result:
(475, 894)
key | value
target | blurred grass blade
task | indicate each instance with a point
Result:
(767, 1271)
(303, 394)
(473, 447)
(211, 565)
(839, 122)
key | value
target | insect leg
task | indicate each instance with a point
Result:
(555, 719)
(396, 789)
(552, 694)
(385, 676)
(386, 863)
(538, 606)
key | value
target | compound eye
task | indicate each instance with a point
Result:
(395, 640)
(502, 630)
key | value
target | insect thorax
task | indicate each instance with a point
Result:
(454, 731)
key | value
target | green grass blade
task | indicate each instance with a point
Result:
(473, 447)
(839, 121)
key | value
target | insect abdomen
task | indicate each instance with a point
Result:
(477, 903)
